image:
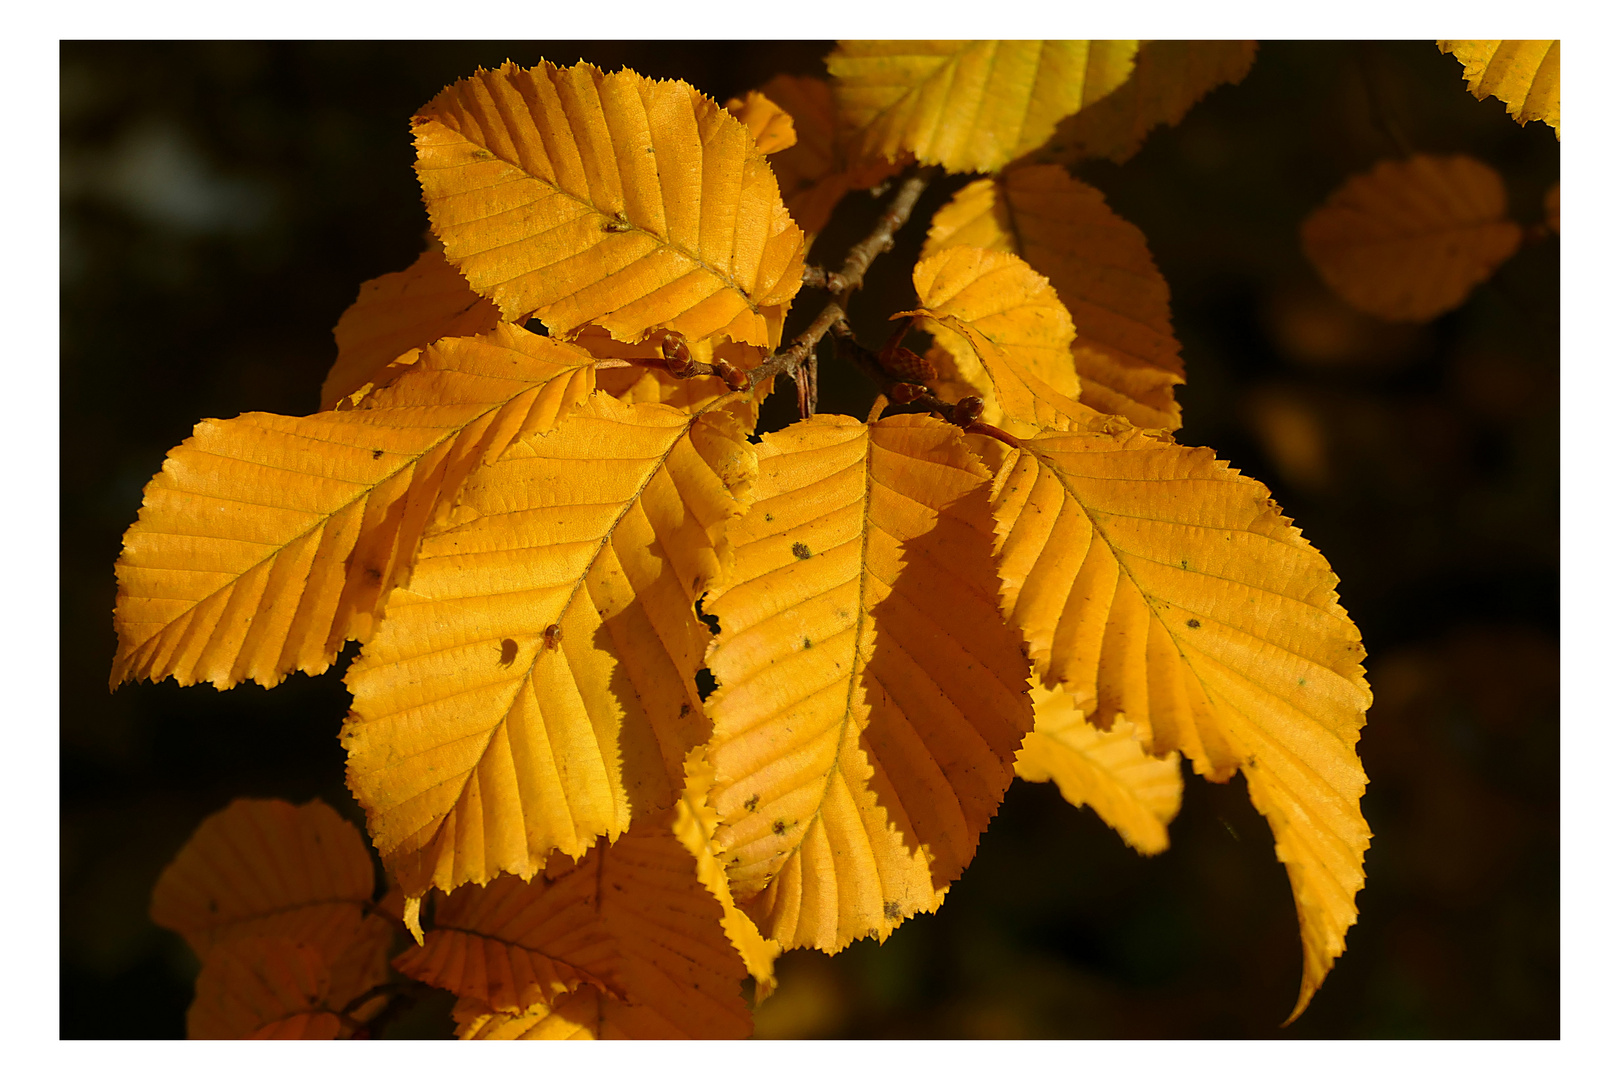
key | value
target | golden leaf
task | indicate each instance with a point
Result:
(971, 106)
(1124, 349)
(1135, 793)
(533, 687)
(1006, 335)
(871, 700)
(1522, 74)
(1410, 239)
(267, 541)
(641, 935)
(1167, 589)
(399, 312)
(1169, 78)
(580, 197)
(264, 988)
(815, 173)
(767, 122)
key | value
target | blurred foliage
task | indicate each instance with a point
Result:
(222, 203)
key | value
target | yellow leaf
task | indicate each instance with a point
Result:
(580, 197)
(695, 825)
(533, 687)
(264, 988)
(1124, 349)
(399, 312)
(1410, 239)
(1136, 794)
(267, 541)
(1522, 74)
(1169, 78)
(639, 931)
(263, 867)
(767, 122)
(1007, 335)
(814, 172)
(971, 106)
(871, 700)
(1169, 590)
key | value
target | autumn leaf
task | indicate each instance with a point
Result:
(1124, 350)
(1168, 79)
(648, 380)
(971, 106)
(578, 197)
(1135, 793)
(533, 687)
(267, 541)
(263, 867)
(1006, 336)
(399, 312)
(631, 929)
(1522, 74)
(1167, 590)
(264, 988)
(815, 172)
(767, 122)
(870, 698)
(1410, 239)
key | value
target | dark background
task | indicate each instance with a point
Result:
(222, 203)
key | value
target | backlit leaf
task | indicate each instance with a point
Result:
(263, 867)
(1169, 78)
(639, 933)
(580, 197)
(815, 172)
(533, 687)
(1007, 334)
(767, 122)
(1135, 793)
(971, 106)
(1166, 589)
(1410, 239)
(870, 698)
(1522, 74)
(1124, 350)
(267, 541)
(399, 312)
(648, 380)
(264, 988)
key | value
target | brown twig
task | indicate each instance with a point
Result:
(840, 285)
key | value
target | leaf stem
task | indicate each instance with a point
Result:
(797, 357)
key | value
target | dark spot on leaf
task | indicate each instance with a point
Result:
(778, 826)
(751, 802)
(1194, 623)
(801, 551)
(768, 517)
(891, 910)
(508, 652)
(375, 454)
(686, 708)
(373, 573)
(807, 643)
(705, 684)
(1184, 564)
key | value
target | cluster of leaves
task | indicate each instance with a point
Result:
(549, 543)
(1410, 239)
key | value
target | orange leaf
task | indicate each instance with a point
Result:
(1522, 74)
(767, 122)
(267, 541)
(533, 686)
(1169, 78)
(1163, 588)
(1410, 239)
(1124, 349)
(580, 197)
(399, 312)
(635, 931)
(870, 698)
(263, 988)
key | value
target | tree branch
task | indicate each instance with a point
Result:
(840, 285)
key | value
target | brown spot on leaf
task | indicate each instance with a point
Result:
(891, 910)
(686, 708)
(508, 652)
(1194, 623)
(375, 454)
(807, 643)
(751, 802)
(778, 826)
(800, 551)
